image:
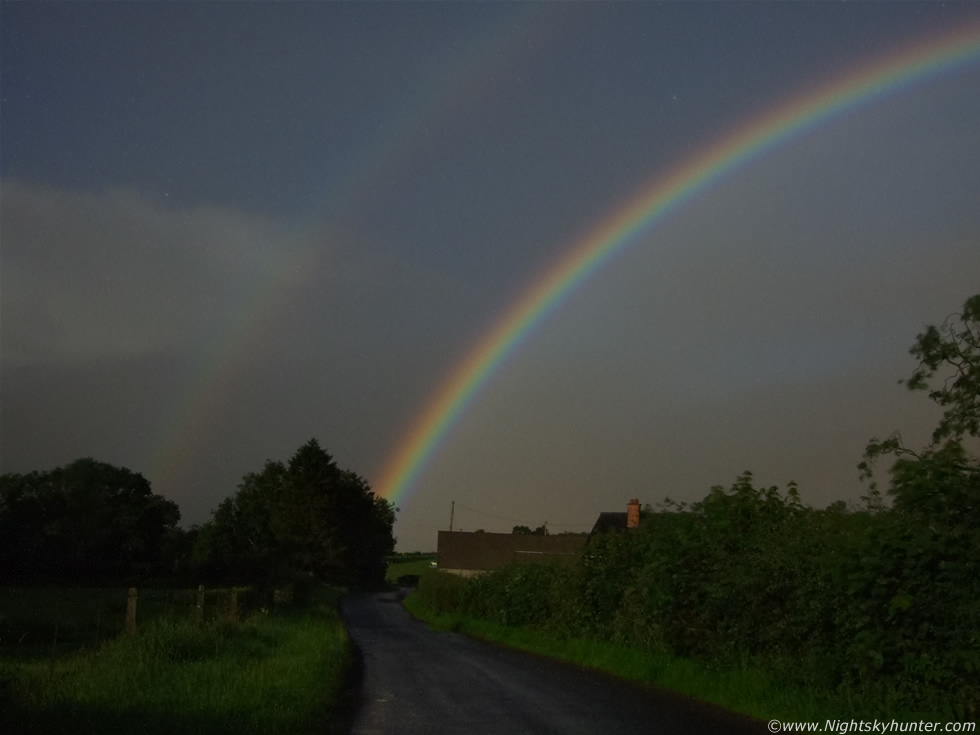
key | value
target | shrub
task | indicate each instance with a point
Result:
(879, 603)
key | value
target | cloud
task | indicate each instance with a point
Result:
(115, 274)
(157, 336)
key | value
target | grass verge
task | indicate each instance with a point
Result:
(38, 621)
(277, 673)
(414, 567)
(745, 689)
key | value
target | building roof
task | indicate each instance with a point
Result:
(484, 551)
(610, 522)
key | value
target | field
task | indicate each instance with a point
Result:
(67, 619)
(279, 671)
(411, 566)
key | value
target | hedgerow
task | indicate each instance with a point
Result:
(878, 603)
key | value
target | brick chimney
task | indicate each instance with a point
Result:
(633, 513)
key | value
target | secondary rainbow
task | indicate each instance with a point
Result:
(641, 213)
(214, 381)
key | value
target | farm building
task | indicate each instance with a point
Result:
(468, 553)
(618, 521)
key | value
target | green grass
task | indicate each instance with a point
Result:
(745, 689)
(415, 567)
(272, 673)
(38, 620)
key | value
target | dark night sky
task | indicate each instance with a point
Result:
(226, 228)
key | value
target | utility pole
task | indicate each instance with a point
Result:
(452, 512)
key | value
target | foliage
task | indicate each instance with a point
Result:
(879, 604)
(307, 518)
(918, 577)
(949, 370)
(541, 530)
(69, 618)
(745, 689)
(411, 555)
(876, 606)
(86, 521)
(410, 567)
(952, 350)
(268, 674)
(932, 536)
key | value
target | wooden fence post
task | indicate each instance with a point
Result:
(199, 610)
(131, 611)
(54, 648)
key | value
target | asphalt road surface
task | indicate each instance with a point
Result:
(417, 680)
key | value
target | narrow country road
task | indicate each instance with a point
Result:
(416, 680)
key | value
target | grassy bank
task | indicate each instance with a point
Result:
(272, 673)
(408, 567)
(36, 621)
(743, 688)
(875, 610)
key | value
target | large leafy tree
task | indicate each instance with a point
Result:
(307, 516)
(949, 371)
(917, 577)
(85, 521)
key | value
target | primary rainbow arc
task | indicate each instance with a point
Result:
(641, 213)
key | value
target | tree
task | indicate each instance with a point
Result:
(949, 369)
(305, 517)
(953, 351)
(85, 521)
(916, 575)
(521, 531)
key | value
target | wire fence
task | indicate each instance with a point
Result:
(69, 618)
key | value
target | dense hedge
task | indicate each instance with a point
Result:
(881, 604)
